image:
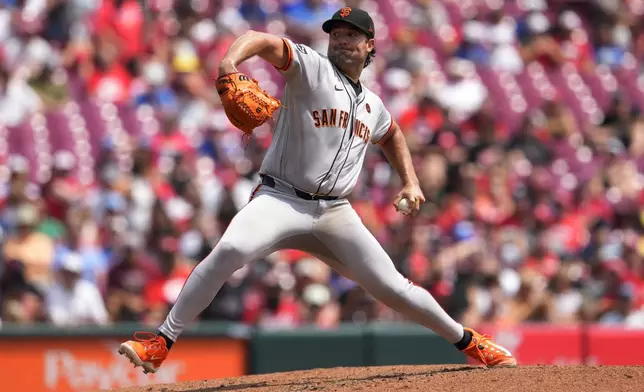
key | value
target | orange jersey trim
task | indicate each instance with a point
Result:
(390, 132)
(289, 61)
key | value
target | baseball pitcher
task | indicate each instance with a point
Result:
(326, 122)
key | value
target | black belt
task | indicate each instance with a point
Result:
(270, 181)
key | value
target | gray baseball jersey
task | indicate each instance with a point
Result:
(323, 130)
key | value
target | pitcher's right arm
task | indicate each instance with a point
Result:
(254, 43)
(300, 65)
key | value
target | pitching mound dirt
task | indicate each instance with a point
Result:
(427, 378)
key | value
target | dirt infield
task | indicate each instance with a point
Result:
(427, 378)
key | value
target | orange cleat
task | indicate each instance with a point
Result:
(487, 352)
(147, 350)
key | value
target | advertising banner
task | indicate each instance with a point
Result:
(543, 344)
(615, 346)
(82, 364)
(540, 344)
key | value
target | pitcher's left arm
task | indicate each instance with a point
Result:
(395, 148)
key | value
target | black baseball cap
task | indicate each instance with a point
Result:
(354, 16)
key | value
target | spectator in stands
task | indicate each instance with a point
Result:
(72, 301)
(530, 302)
(429, 14)
(434, 174)
(565, 305)
(16, 192)
(18, 100)
(475, 43)
(127, 280)
(321, 309)
(162, 290)
(501, 36)
(273, 303)
(304, 17)
(573, 41)
(105, 76)
(539, 42)
(63, 188)
(255, 12)
(237, 298)
(319, 305)
(404, 54)
(83, 240)
(559, 120)
(623, 307)
(170, 142)
(120, 23)
(462, 95)
(153, 85)
(530, 141)
(421, 121)
(609, 52)
(620, 115)
(21, 302)
(485, 297)
(493, 203)
(27, 245)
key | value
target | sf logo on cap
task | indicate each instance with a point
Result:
(345, 12)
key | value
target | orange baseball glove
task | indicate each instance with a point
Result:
(247, 106)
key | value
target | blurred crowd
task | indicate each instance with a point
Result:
(535, 200)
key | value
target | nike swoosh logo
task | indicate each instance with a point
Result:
(501, 349)
(338, 88)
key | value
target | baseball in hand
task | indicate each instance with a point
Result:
(404, 205)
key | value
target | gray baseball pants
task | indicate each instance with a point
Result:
(332, 231)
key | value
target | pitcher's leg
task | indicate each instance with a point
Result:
(342, 231)
(355, 248)
(251, 235)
